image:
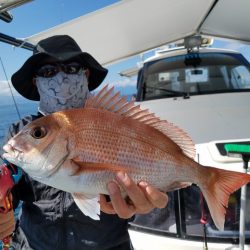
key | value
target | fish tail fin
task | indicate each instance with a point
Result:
(217, 188)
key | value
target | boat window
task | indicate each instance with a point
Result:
(182, 217)
(240, 77)
(195, 74)
(159, 219)
(195, 207)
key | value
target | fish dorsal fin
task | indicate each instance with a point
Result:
(112, 101)
(177, 135)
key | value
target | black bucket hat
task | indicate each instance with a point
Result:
(61, 48)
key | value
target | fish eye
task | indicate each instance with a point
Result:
(38, 132)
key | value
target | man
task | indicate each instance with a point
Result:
(59, 75)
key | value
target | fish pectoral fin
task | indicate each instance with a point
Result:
(88, 204)
(88, 167)
(177, 185)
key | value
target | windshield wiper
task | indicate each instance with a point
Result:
(173, 92)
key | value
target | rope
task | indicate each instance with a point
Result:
(17, 110)
(203, 219)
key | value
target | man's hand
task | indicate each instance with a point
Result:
(7, 223)
(142, 198)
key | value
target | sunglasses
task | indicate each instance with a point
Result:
(50, 70)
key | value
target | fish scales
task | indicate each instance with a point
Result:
(135, 145)
(124, 146)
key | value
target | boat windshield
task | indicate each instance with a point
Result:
(195, 74)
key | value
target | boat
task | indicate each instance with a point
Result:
(197, 91)
(203, 90)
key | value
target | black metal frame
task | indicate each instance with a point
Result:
(16, 42)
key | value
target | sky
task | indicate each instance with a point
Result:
(39, 15)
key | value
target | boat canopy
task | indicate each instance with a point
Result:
(130, 27)
(6, 5)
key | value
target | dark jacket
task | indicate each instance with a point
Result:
(51, 220)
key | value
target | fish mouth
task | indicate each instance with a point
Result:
(43, 167)
(16, 156)
(13, 154)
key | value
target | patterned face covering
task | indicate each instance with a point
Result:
(62, 91)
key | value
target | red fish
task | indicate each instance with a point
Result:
(80, 150)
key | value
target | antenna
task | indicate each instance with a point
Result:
(17, 110)
(193, 43)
